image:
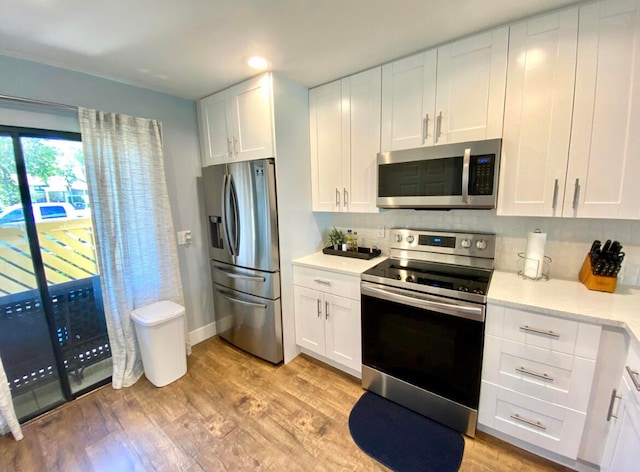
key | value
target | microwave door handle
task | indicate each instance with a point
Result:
(465, 175)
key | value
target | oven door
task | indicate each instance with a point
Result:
(430, 342)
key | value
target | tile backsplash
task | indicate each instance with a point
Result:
(568, 239)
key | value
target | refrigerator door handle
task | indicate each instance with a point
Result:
(236, 221)
(225, 214)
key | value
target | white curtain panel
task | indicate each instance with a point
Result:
(8, 420)
(135, 241)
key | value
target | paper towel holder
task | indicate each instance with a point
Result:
(545, 267)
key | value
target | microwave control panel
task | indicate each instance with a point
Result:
(481, 175)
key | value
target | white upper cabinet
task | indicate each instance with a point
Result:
(237, 124)
(344, 119)
(470, 88)
(604, 163)
(409, 101)
(537, 121)
(452, 94)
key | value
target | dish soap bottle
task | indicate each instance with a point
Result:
(349, 240)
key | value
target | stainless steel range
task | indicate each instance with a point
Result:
(423, 312)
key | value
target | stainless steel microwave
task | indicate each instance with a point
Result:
(460, 175)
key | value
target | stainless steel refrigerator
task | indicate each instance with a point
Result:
(245, 261)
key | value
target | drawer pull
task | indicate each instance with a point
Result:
(614, 395)
(535, 374)
(537, 424)
(634, 377)
(322, 281)
(539, 331)
(319, 308)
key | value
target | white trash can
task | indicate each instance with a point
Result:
(160, 331)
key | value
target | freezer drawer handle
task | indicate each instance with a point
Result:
(242, 302)
(539, 331)
(634, 377)
(544, 376)
(257, 278)
(535, 423)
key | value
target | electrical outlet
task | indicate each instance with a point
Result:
(381, 231)
(184, 238)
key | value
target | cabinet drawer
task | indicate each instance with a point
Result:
(548, 332)
(551, 376)
(341, 285)
(540, 423)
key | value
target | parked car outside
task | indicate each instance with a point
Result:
(41, 212)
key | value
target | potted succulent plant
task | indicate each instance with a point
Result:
(337, 238)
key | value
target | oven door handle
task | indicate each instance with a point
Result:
(418, 300)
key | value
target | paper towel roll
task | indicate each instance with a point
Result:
(534, 256)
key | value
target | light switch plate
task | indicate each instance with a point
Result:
(381, 231)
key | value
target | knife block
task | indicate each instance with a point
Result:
(601, 283)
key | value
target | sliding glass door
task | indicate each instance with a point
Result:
(53, 338)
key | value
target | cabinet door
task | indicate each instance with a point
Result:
(537, 121)
(470, 88)
(215, 129)
(251, 102)
(622, 451)
(360, 140)
(325, 115)
(408, 102)
(604, 169)
(309, 317)
(343, 337)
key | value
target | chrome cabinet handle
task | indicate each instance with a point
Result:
(337, 198)
(576, 193)
(346, 195)
(326, 310)
(634, 377)
(322, 281)
(555, 194)
(540, 331)
(614, 395)
(438, 126)
(425, 135)
(235, 146)
(535, 374)
(535, 423)
(465, 175)
(319, 308)
(229, 149)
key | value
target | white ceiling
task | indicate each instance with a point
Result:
(191, 48)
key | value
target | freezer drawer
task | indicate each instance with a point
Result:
(254, 282)
(251, 323)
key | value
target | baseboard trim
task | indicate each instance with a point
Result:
(201, 334)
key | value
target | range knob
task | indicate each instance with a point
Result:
(410, 278)
(410, 239)
(398, 238)
(482, 244)
(463, 289)
(478, 291)
(397, 277)
(465, 243)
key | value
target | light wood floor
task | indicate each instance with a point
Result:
(230, 412)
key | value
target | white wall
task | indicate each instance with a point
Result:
(182, 162)
(568, 239)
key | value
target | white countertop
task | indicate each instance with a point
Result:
(340, 264)
(569, 299)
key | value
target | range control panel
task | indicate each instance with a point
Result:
(444, 242)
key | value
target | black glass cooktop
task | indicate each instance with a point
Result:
(444, 276)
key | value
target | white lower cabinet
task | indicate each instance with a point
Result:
(622, 450)
(327, 323)
(536, 377)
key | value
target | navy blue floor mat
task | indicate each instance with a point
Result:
(403, 440)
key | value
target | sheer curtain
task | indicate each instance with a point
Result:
(134, 232)
(8, 418)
